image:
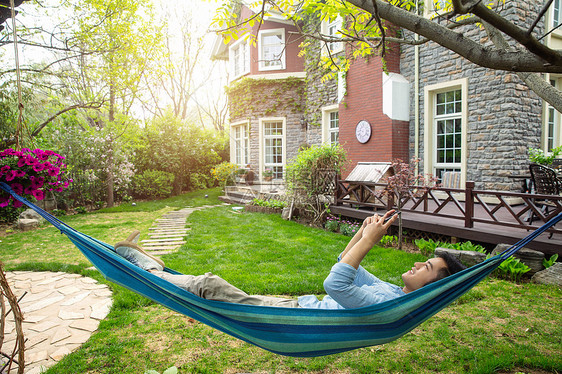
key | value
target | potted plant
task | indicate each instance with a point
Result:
(241, 174)
(537, 155)
(31, 172)
(267, 174)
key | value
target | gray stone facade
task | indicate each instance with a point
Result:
(318, 94)
(267, 99)
(504, 116)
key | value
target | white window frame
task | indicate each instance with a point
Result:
(556, 9)
(244, 146)
(262, 137)
(240, 43)
(430, 130)
(326, 129)
(330, 27)
(262, 60)
(552, 139)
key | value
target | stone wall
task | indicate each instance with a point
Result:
(254, 99)
(504, 116)
(318, 93)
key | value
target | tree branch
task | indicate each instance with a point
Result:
(533, 80)
(72, 107)
(465, 47)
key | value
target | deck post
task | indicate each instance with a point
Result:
(337, 178)
(469, 204)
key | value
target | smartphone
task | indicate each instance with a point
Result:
(392, 215)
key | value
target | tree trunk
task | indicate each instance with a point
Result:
(110, 160)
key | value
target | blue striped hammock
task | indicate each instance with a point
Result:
(297, 332)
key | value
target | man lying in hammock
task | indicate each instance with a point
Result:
(348, 285)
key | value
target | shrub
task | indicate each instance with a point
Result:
(59, 212)
(10, 214)
(272, 203)
(332, 224)
(310, 176)
(388, 240)
(301, 172)
(224, 172)
(199, 181)
(80, 210)
(153, 184)
(349, 228)
(427, 247)
(512, 269)
(548, 263)
(538, 156)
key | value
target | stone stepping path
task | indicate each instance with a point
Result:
(61, 311)
(169, 232)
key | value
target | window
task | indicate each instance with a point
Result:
(331, 28)
(448, 131)
(552, 124)
(272, 49)
(239, 55)
(556, 13)
(334, 127)
(445, 128)
(273, 147)
(240, 145)
(330, 125)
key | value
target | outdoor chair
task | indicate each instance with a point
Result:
(545, 182)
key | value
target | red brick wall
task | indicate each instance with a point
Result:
(389, 139)
(293, 63)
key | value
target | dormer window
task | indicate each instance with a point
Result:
(271, 47)
(330, 28)
(239, 55)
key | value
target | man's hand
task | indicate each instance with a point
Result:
(375, 227)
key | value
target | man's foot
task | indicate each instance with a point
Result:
(133, 253)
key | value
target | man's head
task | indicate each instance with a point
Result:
(432, 270)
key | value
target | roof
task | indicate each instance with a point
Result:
(368, 172)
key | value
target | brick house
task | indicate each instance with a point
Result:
(430, 104)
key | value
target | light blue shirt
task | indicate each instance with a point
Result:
(348, 287)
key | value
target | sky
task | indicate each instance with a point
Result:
(47, 16)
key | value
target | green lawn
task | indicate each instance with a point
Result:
(498, 327)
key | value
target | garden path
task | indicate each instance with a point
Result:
(168, 233)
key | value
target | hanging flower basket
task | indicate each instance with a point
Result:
(31, 172)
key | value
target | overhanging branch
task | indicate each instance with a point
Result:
(473, 51)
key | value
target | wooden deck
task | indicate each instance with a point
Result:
(491, 217)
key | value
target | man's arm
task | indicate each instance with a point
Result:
(371, 232)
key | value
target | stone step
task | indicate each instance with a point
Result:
(160, 253)
(162, 240)
(156, 228)
(164, 235)
(161, 248)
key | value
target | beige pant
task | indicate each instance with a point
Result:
(212, 287)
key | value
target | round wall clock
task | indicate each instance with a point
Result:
(363, 131)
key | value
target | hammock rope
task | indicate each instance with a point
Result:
(297, 332)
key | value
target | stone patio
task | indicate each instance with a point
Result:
(61, 311)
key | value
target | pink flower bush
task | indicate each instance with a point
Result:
(31, 172)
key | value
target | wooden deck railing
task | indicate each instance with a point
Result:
(503, 208)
